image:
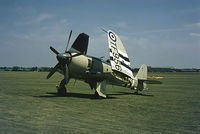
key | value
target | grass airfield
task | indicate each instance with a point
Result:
(29, 104)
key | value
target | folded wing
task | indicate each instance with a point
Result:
(118, 57)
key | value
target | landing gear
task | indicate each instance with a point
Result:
(61, 90)
(136, 92)
(96, 95)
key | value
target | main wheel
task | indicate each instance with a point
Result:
(62, 91)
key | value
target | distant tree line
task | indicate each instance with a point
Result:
(26, 69)
(168, 69)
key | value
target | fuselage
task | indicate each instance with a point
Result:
(92, 69)
(74, 63)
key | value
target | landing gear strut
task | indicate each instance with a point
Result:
(136, 92)
(96, 95)
(61, 90)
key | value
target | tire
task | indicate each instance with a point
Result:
(62, 91)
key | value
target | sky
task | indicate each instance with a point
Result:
(154, 32)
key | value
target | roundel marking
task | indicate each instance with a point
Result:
(112, 37)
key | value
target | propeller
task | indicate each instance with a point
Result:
(54, 50)
(64, 59)
(53, 70)
(68, 40)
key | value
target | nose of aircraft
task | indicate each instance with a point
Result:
(63, 57)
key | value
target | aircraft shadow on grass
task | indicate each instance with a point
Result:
(76, 95)
(89, 96)
(126, 93)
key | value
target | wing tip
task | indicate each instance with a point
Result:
(104, 30)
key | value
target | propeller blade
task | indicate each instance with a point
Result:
(54, 50)
(68, 40)
(53, 70)
(66, 74)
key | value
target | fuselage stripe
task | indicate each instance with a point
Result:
(121, 56)
(123, 64)
(128, 67)
(125, 58)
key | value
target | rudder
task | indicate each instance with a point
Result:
(141, 78)
(142, 73)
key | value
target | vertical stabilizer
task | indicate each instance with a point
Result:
(141, 78)
(142, 73)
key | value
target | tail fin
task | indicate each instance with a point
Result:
(142, 73)
(141, 78)
(80, 45)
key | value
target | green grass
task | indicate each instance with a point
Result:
(28, 104)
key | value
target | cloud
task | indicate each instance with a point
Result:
(178, 29)
(190, 10)
(120, 25)
(54, 31)
(193, 25)
(64, 21)
(98, 45)
(163, 30)
(195, 34)
(36, 42)
(40, 18)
